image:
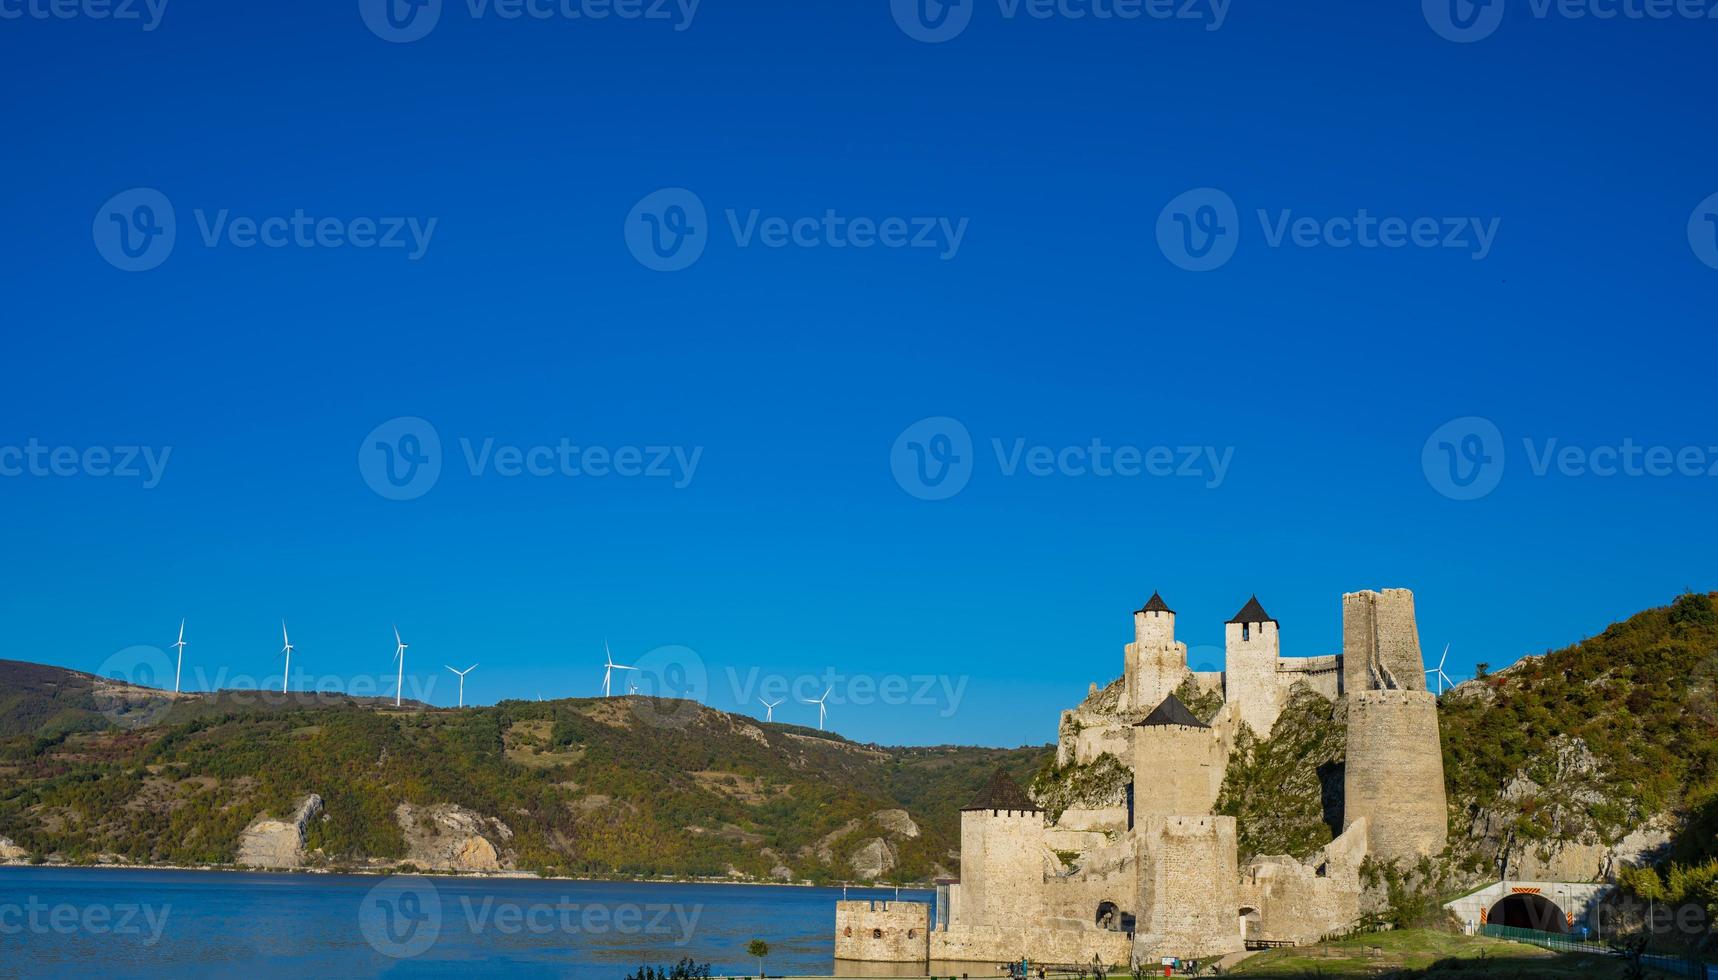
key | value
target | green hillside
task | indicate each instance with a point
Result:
(627, 786)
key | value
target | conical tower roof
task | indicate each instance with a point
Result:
(1156, 604)
(1001, 793)
(1252, 612)
(1172, 712)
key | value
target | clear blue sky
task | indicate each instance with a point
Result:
(793, 550)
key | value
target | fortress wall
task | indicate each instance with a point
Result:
(1321, 674)
(1002, 861)
(1077, 898)
(1053, 941)
(1176, 771)
(1188, 888)
(882, 932)
(1209, 680)
(1394, 776)
(1250, 674)
(1292, 904)
(1097, 737)
(1101, 818)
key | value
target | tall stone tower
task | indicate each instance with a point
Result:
(1394, 775)
(1250, 650)
(1380, 642)
(1156, 664)
(1001, 854)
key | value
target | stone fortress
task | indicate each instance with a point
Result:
(1150, 871)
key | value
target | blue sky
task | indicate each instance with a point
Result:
(791, 551)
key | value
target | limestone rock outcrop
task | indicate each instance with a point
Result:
(874, 859)
(446, 837)
(897, 823)
(10, 851)
(270, 842)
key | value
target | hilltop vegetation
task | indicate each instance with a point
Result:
(627, 786)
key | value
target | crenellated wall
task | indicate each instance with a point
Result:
(882, 932)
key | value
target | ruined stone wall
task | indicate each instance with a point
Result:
(1289, 902)
(1322, 674)
(1003, 859)
(1394, 775)
(1380, 642)
(882, 932)
(1250, 654)
(1188, 888)
(1177, 770)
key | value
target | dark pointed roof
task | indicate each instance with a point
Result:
(1172, 712)
(1252, 612)
(1001, 793)
(1156, 604)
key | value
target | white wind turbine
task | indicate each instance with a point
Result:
(286, 648)
(399, 655)
(769, 709)
(821, 710)
(462, 674)
(180, 646)
(609, 667)
(1438, 671)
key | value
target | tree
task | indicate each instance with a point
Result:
(759, 949)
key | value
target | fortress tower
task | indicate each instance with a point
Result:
(1178, 764)
(1394, 774)
(1001, 856)
(1251, 649)
(1380, 642)
(1155, 664)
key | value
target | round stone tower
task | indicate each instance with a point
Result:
(1156, 664)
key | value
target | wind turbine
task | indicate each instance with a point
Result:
(181, 664)
(821, 710)
(399, 655)
(769, 709)
(462, 674)
(609, 667)
(286, 648)
(1438, 672)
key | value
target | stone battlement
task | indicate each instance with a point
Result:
(882, 931)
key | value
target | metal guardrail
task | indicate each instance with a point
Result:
(1680, 966)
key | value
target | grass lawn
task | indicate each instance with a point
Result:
(1389, 953)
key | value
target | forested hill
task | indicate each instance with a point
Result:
(95, 770)
(1586, 745)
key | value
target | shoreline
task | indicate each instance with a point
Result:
(457, 875)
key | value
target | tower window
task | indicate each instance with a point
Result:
(1246, 631)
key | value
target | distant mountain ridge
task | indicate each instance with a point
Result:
(94, 769)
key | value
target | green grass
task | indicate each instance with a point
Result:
(1441, 955)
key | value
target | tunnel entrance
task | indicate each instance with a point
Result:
(1525, 910)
